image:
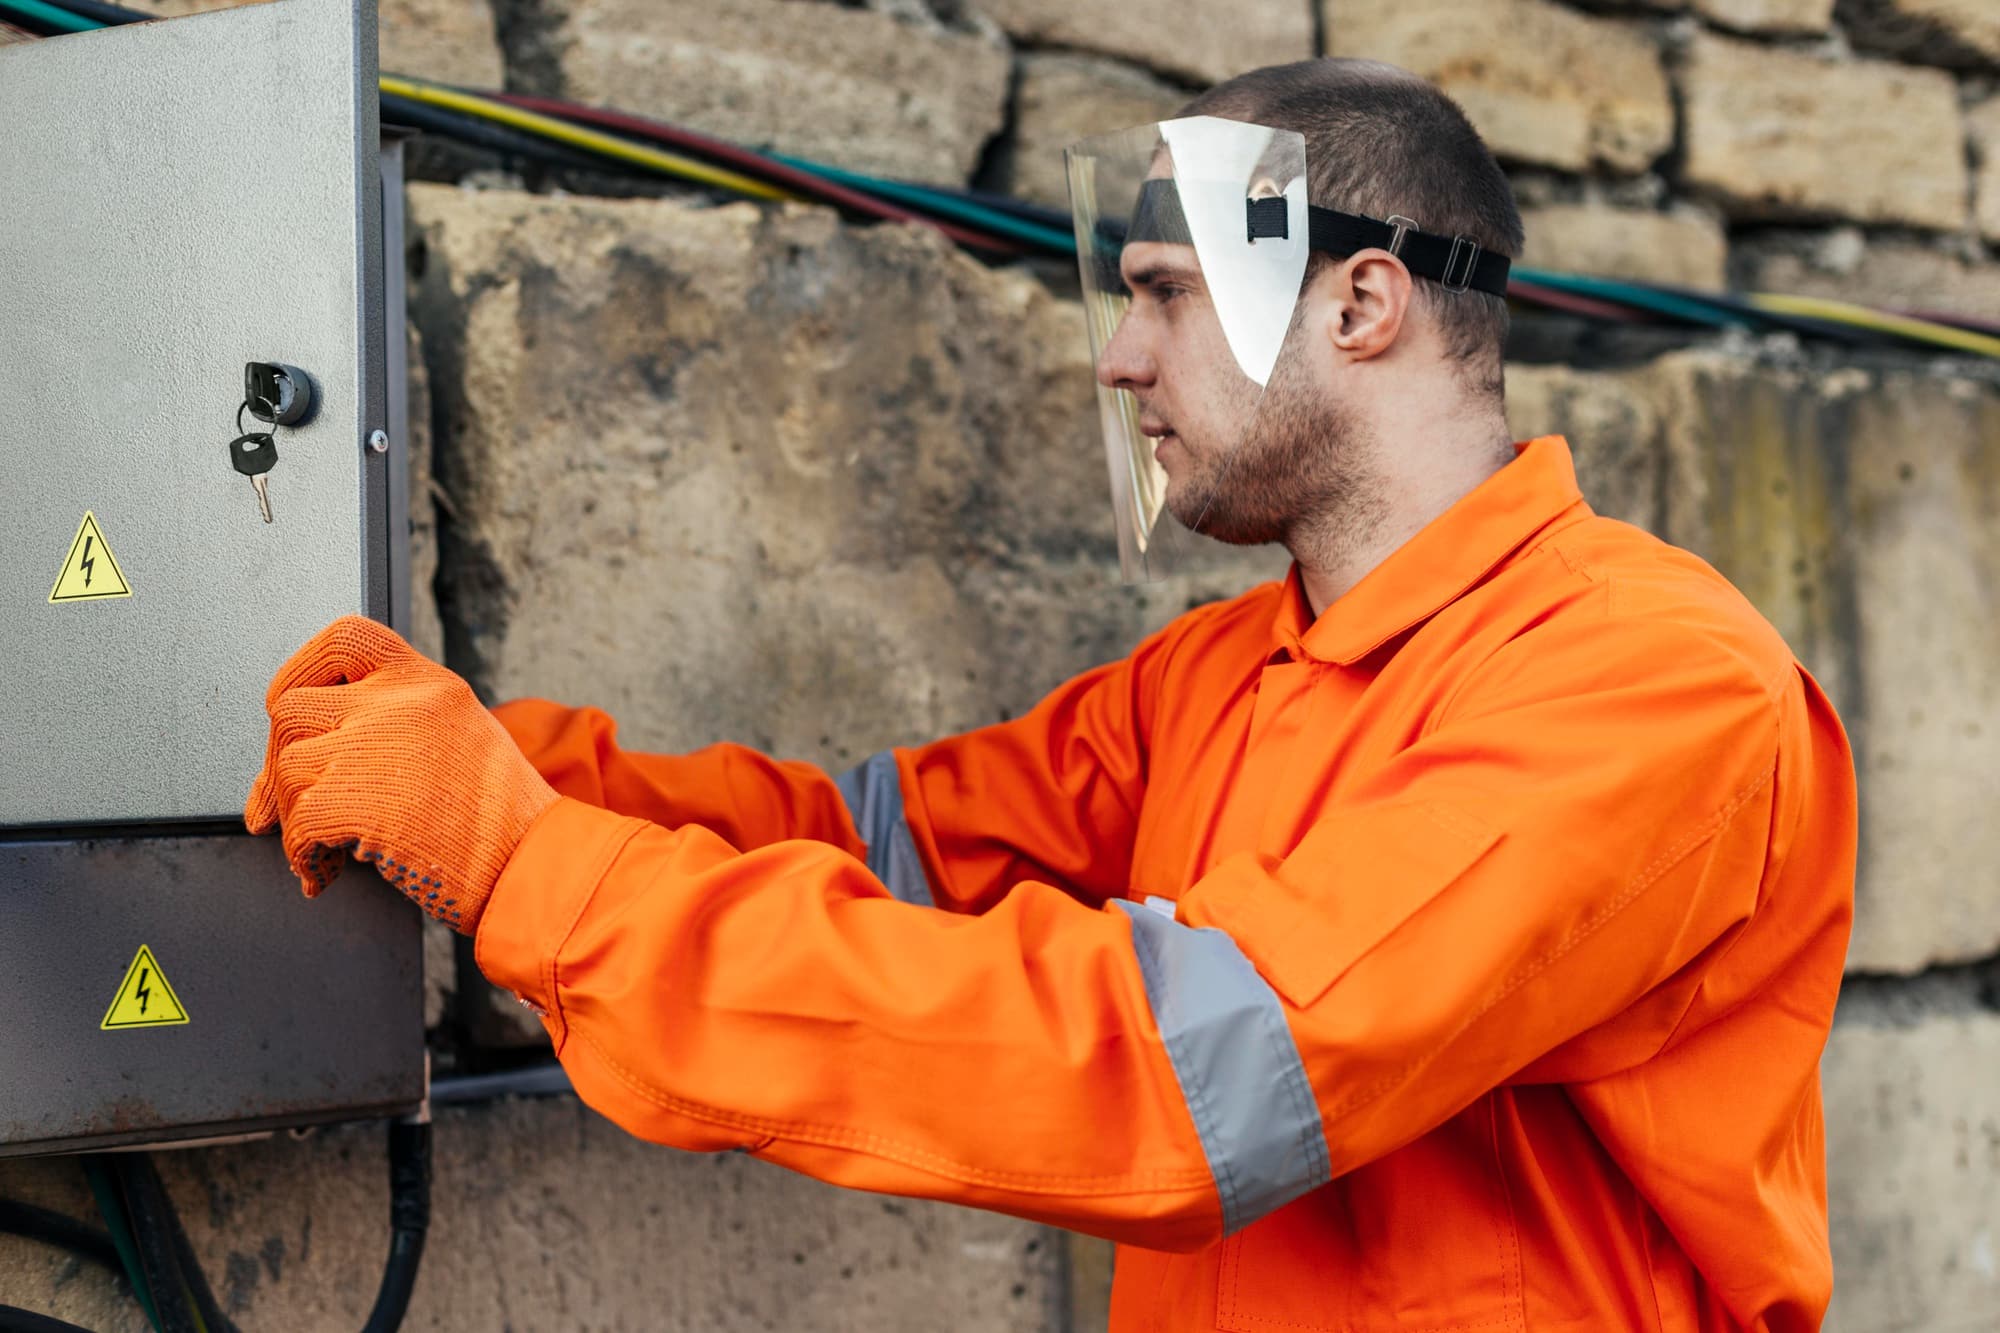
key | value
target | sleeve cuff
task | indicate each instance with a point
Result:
(540, 896)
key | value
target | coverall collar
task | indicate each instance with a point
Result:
(1438, 565)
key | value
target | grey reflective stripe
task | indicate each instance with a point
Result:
(874, 796)
(1237, 1065)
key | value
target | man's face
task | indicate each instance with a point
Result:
(1243, 464)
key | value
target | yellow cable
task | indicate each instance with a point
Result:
(1843, 312)
(549, 127)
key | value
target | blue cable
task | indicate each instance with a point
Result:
(50, 16)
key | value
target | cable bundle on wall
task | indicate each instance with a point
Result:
(570, 136)
(1008, 227)
(1012, 227)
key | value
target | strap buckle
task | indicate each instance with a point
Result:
(1470, 248)
(1268, 217)
(1403, 226)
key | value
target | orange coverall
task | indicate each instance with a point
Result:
(1459, 960)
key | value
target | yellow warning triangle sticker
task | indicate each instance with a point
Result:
(91, 571)
(144, 998)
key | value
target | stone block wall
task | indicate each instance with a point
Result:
(752, 472)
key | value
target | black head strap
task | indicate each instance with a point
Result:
(1457, 263)
(1454, 262)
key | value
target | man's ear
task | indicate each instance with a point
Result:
(1373, 291)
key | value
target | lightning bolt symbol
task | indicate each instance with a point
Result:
(85, 562)
(140, 991)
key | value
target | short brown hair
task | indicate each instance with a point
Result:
(1381, 141)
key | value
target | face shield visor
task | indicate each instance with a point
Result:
(1192, 239)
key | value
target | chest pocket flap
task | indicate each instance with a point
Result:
(1353, 879)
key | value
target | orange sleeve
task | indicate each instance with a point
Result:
(781, 1002)
(1053, 795)
(747, 798)
(1579, 829)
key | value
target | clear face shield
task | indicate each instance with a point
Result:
(1192, 239)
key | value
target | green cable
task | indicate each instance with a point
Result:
(1639, 298)
(53, 16)
(112, 1210)
(941, 204)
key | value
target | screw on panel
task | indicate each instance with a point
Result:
(378, 440)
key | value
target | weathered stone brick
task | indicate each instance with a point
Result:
(843, 487)
(1061, 98)
(1858, 510)
(1187, 39)
(1897, 275)
(1984, 121)
(452, 41)
(1773, 16)
(1089, 1283)
(1613, 426)
(1923, 481)
(1777, 133)
(1683, 246)
(1913, 1167)
(855, 88)
(1964, 33)
(1542, 84)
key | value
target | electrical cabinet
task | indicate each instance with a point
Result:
(179, 199)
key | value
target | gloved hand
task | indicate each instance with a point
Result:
(377, 749)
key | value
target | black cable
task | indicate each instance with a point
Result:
(409, 1220)
(60, 1230)
(15, 1320)
(544, 1079)
(499, 139)
(155, 1220)
(194, 1279)
(152, 1234)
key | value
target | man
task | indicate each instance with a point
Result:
(1444, 938)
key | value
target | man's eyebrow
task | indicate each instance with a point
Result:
(1157, 274)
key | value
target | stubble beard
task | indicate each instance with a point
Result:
(1296, 472)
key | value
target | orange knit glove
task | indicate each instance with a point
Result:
(377, 749)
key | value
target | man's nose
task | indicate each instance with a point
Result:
(1126, 363)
